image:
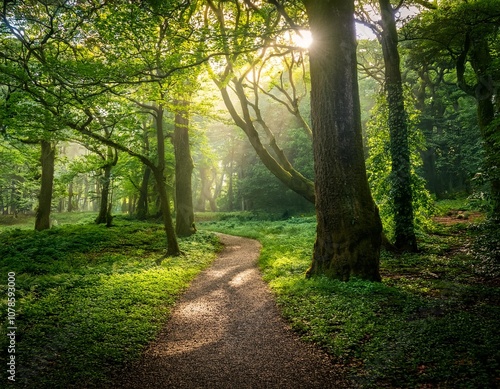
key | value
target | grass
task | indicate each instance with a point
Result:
(89, 298)
(431, 323)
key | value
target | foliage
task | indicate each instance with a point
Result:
(18, 180)
(448, 120)
(464, 36)
(89, 298)
(379, 166)
(486, 249)
(263, 191)
(430, 323)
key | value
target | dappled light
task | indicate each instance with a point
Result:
(241, 279)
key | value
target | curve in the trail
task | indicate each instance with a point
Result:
(226, 332)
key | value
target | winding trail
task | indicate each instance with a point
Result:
(226, 332)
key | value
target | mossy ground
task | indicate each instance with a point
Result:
(89, 298)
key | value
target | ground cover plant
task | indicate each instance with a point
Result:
(89, 298)
(432, 322)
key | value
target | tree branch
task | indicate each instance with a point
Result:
(460, 66)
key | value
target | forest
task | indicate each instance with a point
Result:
(358, 141)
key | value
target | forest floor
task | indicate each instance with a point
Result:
(93, 306)
(431, 323)
(226, 332)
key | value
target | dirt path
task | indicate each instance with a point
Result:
(226, 332)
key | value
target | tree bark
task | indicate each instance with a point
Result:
(143, 203)
(159, 174)
(402, 196)
(104, 209)
(184, 215)
(349, 230)
(47, 158)
(172, 244)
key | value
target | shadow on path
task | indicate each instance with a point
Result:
(226, 332)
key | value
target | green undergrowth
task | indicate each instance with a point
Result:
(57, 219)
(432, 322)
(89, 298)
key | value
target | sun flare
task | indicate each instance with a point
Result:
(302, 38)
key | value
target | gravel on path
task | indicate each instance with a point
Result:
(226, 332)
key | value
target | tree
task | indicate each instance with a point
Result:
(34, 53)
(110, 159)
(47, 159)
(349, 230)
(379, 166)
(184, 217)
(18, 179)
(237, 77)
(398, 125)
(158, 167)
(143, 201)
(28, 122)
(466, 33)
(448, 120)
(61, 70)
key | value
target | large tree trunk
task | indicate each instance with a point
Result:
(158, 172)
(349, 229)
(402, 196)
(172, 244)
(42, 221)
(184, 216)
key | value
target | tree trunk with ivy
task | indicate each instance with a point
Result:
(47, 159)
(402, 196)
(349, 230)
